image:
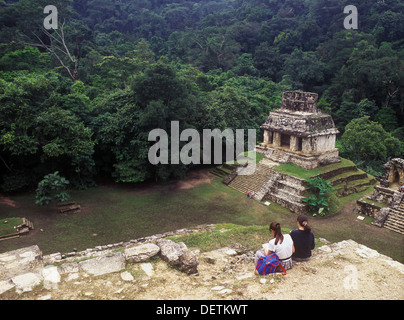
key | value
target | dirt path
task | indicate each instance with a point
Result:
(194, 179)
(7, 201)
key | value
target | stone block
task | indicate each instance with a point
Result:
(178, 255)
(51, 277)
(6, 285)
(102, 265)
(26, 282)
(20, 261)
(141, 252)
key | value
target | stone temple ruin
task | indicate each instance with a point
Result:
(386, 203)
(299, 133)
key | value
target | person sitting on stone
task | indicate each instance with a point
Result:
(281, 245)
(303, 240)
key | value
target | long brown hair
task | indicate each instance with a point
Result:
(278, 232)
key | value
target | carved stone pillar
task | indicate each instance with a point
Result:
(266, 137)
(277, 139)
(293, 143)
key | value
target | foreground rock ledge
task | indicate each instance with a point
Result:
(223, 273)
(23, 269)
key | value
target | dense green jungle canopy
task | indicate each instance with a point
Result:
(83, 98)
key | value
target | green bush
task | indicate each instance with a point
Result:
(52, 187)
(318, 201)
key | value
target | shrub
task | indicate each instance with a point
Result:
(52, 187)
(318, 201)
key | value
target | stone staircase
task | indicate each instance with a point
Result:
(395, 219)
(268, 184)
(253, 182)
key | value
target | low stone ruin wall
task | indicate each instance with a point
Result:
(26, 268)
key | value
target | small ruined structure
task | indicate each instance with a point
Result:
(386, 203)
(69, 207)
(299, 133)
(393, 175)
(23, 228)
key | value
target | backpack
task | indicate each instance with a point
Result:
(268, 264)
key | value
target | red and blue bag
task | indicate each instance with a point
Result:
(268, 264)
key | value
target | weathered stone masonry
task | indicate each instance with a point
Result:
(300, 133)
(386, 203)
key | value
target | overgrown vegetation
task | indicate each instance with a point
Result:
(52, 187)
(318, 201)
(132, 66)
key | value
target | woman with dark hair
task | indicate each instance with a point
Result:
(281, 244)
(303, 239)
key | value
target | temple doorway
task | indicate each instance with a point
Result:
(299, 144)
(285, 140)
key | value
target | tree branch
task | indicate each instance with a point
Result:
(59, 48)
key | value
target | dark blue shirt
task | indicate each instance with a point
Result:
(303, 243)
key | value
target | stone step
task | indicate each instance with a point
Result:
(355, 184)
(395, 214)
(357, 176)
(335, 172)
(253, 182)
(287, 195)
(395, 229)
(394, 224)
(249, 180)
(244, 187)
(287, 203)
(70, 209)
(395, 221)
(268, 163)
(28, 223)
(290, 187)
(218, 173)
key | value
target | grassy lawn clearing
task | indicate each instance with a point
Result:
(114, 213)
(7, 225)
